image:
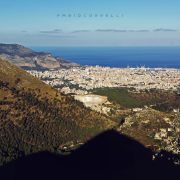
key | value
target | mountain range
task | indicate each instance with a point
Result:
(28, 59)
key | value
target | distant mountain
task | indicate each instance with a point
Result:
(29, 59)
(35, 117)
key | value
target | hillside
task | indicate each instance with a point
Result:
(35, 117)
(29, 59)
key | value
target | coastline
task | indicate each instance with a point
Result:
(120, 57)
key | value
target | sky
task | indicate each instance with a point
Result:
(90, 23)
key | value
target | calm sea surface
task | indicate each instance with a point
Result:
(168, 57)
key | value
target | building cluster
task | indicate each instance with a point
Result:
(79, 80)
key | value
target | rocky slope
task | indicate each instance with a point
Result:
(156, 130)
(150, 117)
(29, 59)
(35, 117)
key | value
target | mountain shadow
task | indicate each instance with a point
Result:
(107, 156)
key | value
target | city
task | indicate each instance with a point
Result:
(80, 80)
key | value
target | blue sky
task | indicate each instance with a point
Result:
(41, 22)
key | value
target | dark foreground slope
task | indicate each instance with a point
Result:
(34, 117)
(108, 156)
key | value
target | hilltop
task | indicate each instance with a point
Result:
(28, 59)
(35, 117)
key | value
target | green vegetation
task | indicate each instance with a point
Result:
(159, 99)
(119, 96)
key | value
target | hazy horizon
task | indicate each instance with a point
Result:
(90, 23)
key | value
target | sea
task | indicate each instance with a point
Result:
(149, 57)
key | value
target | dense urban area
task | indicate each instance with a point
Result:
(79, 80)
